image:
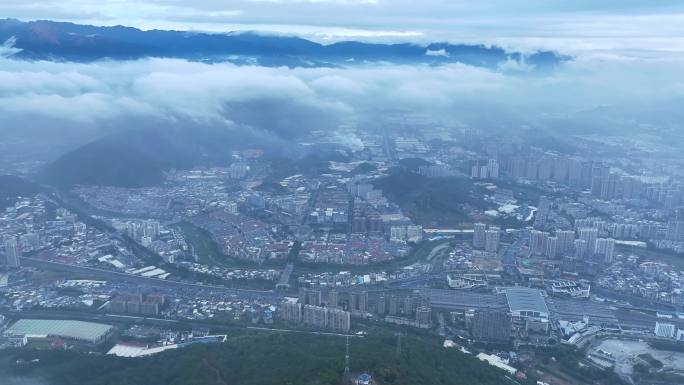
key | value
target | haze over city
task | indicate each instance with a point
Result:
(341, 192)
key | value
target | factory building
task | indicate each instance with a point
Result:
(77, 332)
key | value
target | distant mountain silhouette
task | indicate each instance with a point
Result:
(139, 158)
(12, 187)
(48, 40)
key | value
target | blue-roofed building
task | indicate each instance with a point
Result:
(364, 379)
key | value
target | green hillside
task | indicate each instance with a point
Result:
(12, 187)
(296, 359)
(139, 158)
(431, 201)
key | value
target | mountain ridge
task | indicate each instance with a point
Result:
(141, 157)
(62, 41)
(111, 160)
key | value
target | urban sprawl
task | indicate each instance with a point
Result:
(473, 238)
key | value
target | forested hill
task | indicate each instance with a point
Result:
(296, 359)
(49, 40)
(13, 187)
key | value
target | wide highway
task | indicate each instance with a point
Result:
(96, 273)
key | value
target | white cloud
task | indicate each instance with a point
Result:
(438, 52)
(88, 97)
(7, 49)
(513, 65)
(628, 60)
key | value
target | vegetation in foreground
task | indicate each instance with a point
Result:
(564, 363)
(289, 358)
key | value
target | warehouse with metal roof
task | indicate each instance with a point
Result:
(463, 300)
(88, 332)
(524, 302)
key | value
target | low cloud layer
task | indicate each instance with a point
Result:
(76, 103)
